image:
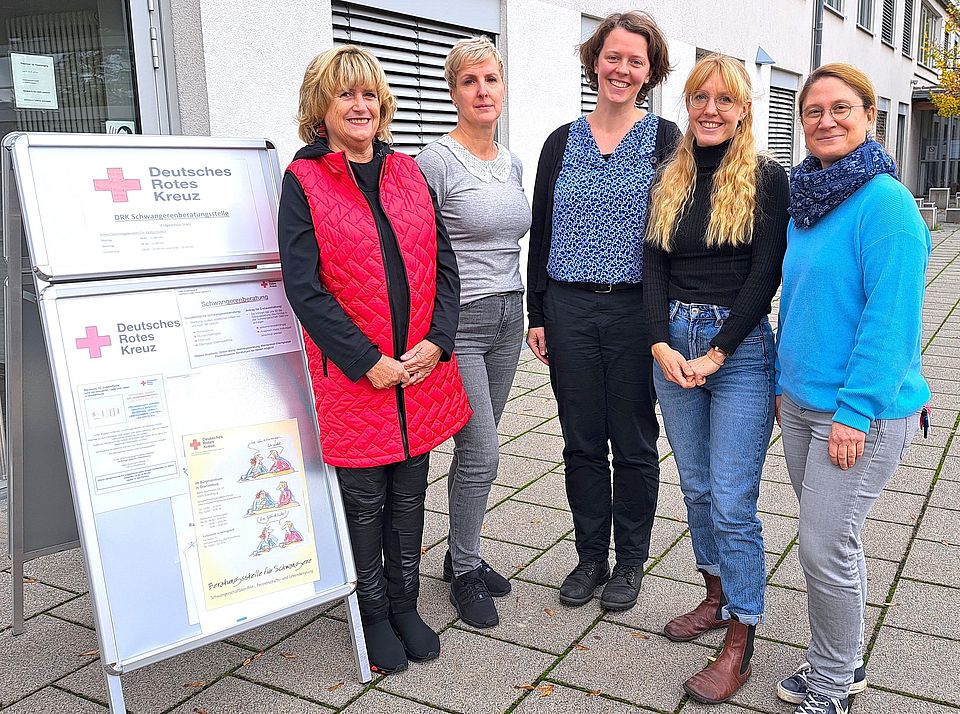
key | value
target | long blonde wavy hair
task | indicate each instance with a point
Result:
(734, 195)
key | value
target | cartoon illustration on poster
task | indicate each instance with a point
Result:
(247, 541)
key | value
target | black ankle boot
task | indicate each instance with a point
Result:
(419, 640)
(384, 649)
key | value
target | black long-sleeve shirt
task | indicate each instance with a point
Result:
(743, 278)
(321, 315)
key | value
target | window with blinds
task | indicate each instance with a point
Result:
(834, 5)
(907, 47)
(881, 130)
(887, 21)
(412, 51)
(865, 15)
(782, 125)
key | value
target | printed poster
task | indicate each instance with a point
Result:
(248, 493)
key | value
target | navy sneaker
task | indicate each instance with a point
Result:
(793, 689)
(815, 703)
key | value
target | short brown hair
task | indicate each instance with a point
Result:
(329, 73)
(849, 75)
(470, 50)
(639, 23)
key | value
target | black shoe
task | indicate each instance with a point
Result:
(793, 689)
(384, 648)
(497, 585)
(419, 640)
(623, 589)
(578, 586)
(469, 595)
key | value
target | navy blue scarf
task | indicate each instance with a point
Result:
(815, 191)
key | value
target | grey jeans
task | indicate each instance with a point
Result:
(833, 507)
(488, 347)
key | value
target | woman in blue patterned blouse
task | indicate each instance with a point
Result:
(585, 303)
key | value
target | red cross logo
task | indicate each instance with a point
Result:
(117, 185)
(264, 284)
(93, 342)
(195, 444)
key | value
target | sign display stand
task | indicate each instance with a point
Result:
(177, 379)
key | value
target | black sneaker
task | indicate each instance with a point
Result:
(793, 689)
(621, 592)
(497, 585)
(815, 703)
(384, 649)
(419, 641)
(578, 586)
(469, 595)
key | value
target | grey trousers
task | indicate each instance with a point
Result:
(833, 507)
(489, 339)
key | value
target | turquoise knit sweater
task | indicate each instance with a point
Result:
(849, 331)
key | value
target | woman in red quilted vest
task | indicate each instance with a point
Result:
(369, 271)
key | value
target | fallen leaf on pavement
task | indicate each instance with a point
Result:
(550, 612)
(250, 660)
(545, 689)
(524, 687)
(28, 581)
(423, 550)
(582, 648)
(640, 636)
(334, 687)
(90, 653)
(194, 685)
(200, 710)
(288, 655)
(594, 692)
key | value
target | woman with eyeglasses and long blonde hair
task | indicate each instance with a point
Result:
(714, 248)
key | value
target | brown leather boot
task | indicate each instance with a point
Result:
(721, 679)
(703, 618)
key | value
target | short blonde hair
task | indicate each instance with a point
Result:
(470, 50)
(848, 74)
(329, 73)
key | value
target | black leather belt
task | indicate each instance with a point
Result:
(603, 288)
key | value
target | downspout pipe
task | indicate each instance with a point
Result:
(816, 55)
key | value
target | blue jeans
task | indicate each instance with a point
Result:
(488, 347)
(719, 434)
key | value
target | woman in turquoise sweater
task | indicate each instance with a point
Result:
(849, 383)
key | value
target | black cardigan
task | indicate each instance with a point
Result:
(548, 169)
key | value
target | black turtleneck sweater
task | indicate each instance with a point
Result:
(743, 278)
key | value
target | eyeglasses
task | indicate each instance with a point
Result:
(723, 103)
(839, 112)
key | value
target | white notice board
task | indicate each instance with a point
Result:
(100, 205)
(192, 448)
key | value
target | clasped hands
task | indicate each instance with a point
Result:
(413, 367)
(681, 371)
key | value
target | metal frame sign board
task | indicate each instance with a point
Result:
(101, 206)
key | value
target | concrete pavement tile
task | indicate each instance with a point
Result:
(324, 658)
(526, 524)
(47, 650)
(950, 471)
(51, 701)
(670, 503)
(532, 406)
(532, 616)
(516, 471)
(786, 617)
(925, 608)
(548, 490)
(660, 601)
(260, 638)
(885, 540)
(915, 663)
(692, 707)
(37, 597)
(377, 702)
(897, 507)
(517, 424)
(775, 466)
(874, 701)
(78, 610)
(565, 700)
(532, 365)
(927, 457)
(473, 673)
(679, 564)
(778, 532)
(531, 380)
(779, 498)
(553, 566)
(536, 445)
(934, 563)
(771, 662)
(439, 466)
(436, 499)
(663, 536)
(551, 426)
(668, 471)
(64, 570)
(946, 494)
(445, 448)
(157, 687)
(435, 526)
(611, 665)
(911, 480)
(940, 524)
(776, 448)
(434, 603)
(231, 694)
(505, 558)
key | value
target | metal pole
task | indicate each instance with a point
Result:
(356, 636)
(816, 55)
(114, 691)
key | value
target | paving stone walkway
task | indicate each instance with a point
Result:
(544, 657)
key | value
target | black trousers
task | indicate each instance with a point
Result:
(384, 509)
(601, 371)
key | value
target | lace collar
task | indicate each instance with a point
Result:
(486, 171)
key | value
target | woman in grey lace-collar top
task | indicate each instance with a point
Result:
(479, 191)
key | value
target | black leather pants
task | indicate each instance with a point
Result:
(384, 508)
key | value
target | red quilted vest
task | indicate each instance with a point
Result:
(361, 426)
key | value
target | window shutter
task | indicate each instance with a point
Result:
(887, 21)
(781, 126)
(412, 51)
(881, 130)
(907, 47)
